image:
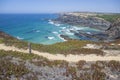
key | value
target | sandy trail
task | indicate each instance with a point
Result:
(69, 58)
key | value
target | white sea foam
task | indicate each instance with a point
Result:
(51, 22)
(61, 38)
(19, 37)
(67, 30)
(88, 32)
(69, 33)
(55, 32)
(50, 38)
(63, 27)
(56, 24)
(77, 28)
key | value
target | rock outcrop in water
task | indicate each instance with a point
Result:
(83, 19)
(66, 37)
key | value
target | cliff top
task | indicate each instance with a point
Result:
(106, 16)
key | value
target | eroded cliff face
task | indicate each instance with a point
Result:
(114, 30)
(85, 19)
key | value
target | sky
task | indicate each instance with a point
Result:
(55, 6)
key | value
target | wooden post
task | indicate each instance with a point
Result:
(29, 47)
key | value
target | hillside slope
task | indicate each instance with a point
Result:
(21, 66)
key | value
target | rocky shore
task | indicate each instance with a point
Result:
(66, 37)
(85, 19)
(109, 30)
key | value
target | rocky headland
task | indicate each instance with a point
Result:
(110, 30)
(83, 19)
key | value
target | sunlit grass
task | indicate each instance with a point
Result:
(110, 17)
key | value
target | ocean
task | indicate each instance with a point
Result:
(39, 28)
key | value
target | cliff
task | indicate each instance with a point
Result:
(83, 19)
(114, 30)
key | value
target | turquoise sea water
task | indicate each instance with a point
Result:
(38, 28)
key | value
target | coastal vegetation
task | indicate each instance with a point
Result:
(67, 47)
(17, 65)
(7, 69)
(109, 17)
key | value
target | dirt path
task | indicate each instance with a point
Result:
(69, 58)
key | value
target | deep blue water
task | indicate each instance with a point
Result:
(38, 28)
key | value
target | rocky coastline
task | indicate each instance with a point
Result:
(84, 19)
(109, 30)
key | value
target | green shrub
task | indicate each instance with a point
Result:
(7, 69)
(110, 17)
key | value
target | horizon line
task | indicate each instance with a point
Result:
(56, 12)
